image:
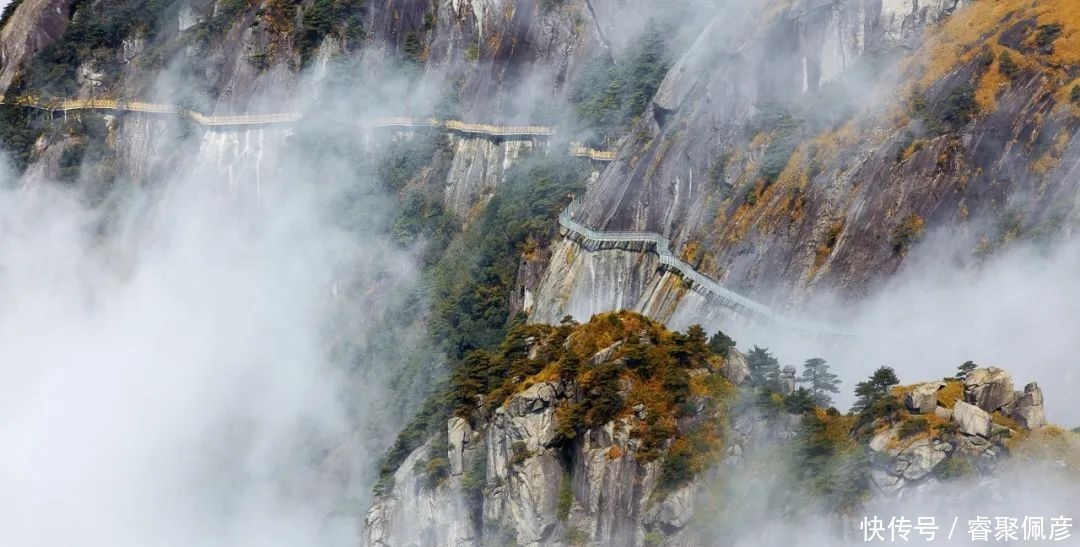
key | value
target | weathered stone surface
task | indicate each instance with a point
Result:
(885, 482)
(922, 398)
(885, 441)
(1027, 409)
(33, 26)
(787, 380)
(735, 367)
(989, 388)
(604, 354)
(458, 435)
(415, 514)
(675, 511)
(921, 457)
(971, 419)
(944, 413)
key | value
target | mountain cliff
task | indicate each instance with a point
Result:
(793, 151)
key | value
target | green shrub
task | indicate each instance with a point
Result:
(721, 344)
(566, 497)
(472, 53)
(610, 96)
(324, 17)
(18, 133)
(780, 148)
(1074, 96)
(960, 107)
(875, 389)
(914, 426)
(906, 233)
(952, 467)
(1046, 36)
(800, 401)
(519, 452)
(96, 33)
(1007, 66)
(469, 287)
(675, 470)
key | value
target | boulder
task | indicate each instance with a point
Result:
(735, 367)
(605, 354)
(943, 413)
(922, 399)
(920, 458)
(885, 441)
(971, 419)
(534, 399)
(1027, 409)
(675, 511)
(886, 483)
(989, 388)
(787, 380)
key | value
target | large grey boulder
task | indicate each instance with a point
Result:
(787, 380)
(971, 419)
(919, 459)
(1027, 409)
(676, 509)
(922, 399)
(989, 388)
(735, 367)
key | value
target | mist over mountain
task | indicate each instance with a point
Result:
(537, 272)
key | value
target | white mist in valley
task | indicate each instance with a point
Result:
(171, 362)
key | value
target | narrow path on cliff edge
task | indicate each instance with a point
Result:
(703, 284)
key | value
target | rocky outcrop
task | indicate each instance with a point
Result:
(33, 26)
(530, 492)
(922, 399)
(477, 167)
(989, 388)
(735, 367)
(919, 459)
(787, 380)
(1027, 407)
(971, 419)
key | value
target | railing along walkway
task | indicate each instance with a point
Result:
(726, 297)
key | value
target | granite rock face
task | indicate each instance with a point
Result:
(971, 419)
(989, 388)
(1027, 407)
(922, 399)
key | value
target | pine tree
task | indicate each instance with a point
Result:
(965, 369)
(764, 369)
(697, 342)
(822, 382)
(721, 344)
(877, 387)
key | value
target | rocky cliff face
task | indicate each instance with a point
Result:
(508, 477)
(34, 25)
(509, 472)
(729, 165)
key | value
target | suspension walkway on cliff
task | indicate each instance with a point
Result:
(483, 129)
(703, 284)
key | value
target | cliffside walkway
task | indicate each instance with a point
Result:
(710, 288)
(483, 129)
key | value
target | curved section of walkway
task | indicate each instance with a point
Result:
(724, 296)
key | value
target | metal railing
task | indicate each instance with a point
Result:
(702, 283)
(490, 130)
(581, 151)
